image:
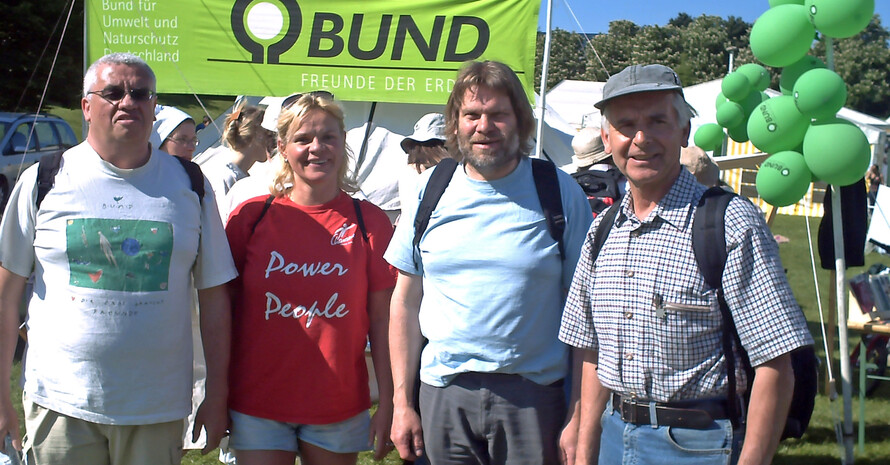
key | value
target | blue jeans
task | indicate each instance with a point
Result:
(626, 443)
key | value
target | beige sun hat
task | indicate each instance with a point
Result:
(700, 165)
(588, 147)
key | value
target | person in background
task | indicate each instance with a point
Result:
(246, 143)
(206, 121)
(313, 289)
(173, 132)
(700, 165)
(425, 148)
(595, 171)
(874, 179)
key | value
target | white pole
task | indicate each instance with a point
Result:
(840, 270)
(542, 101)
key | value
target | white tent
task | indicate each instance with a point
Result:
(573, 102)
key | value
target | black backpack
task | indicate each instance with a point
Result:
(709, 246)
(601, 188)
(49, 164)
(546, 183)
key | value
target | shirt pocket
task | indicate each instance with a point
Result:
(688, 332)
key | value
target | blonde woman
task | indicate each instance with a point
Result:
(313, 288)
(246, 143)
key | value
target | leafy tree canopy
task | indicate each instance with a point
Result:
(698, 50)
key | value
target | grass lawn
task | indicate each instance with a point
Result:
(819, 445)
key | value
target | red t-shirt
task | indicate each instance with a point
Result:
(299, 308)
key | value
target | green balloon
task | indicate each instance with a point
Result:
(782, 35)
(757, 75)
(735, 86)
(836, 151)
(739, 133)
(783, 179)
(776, 125)
(709, 137)
(820, 93)
(791, 73)
(773, 3)
(721, 99)
(752, 101)
(840, 18)
(730, 114)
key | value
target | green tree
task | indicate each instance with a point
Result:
(615, 50)
(567, 57)
(30, 32)
(863, 61)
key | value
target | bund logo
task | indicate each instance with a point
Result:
(266, 29)
(269, 28)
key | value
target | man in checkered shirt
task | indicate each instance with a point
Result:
(642, 321)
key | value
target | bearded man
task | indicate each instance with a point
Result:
(485, 288)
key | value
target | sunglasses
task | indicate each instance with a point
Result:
(114, 94)
(290, 101)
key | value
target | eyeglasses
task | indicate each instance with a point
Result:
(181, 141)
(114, 94)
(288, 102)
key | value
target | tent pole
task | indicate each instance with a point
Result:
(364, 150)
(542, 101)
(841, 283)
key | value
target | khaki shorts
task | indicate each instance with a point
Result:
(56, 439)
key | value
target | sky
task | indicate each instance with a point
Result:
(594, 15)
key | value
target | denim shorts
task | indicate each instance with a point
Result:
(255, 433)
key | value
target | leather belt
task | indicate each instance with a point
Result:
(692, 414)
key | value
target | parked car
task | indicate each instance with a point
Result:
(24, 138)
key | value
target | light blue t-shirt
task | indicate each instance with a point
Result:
(493, 281)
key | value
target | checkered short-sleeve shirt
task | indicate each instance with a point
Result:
(656, 325)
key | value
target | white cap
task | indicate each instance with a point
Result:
(273, 109)
(167, 119)
(430, 126)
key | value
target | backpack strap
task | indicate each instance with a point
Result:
(47, 168)
(435, 187)
(356, 203)
(709, 247)
(196, 177)
(547, 185)
(602, 231)
(266, 205)
(359, 219)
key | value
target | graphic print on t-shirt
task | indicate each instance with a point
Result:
(344, 234)
(119, 255)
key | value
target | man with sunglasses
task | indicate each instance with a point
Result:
(114, 246)
(485, 288)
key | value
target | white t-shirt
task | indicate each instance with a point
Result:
(112, 251)
(222, 175)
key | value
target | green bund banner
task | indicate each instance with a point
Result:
(380, 50)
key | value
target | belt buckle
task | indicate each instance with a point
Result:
(628, 412)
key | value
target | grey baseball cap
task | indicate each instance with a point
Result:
(639, 78)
